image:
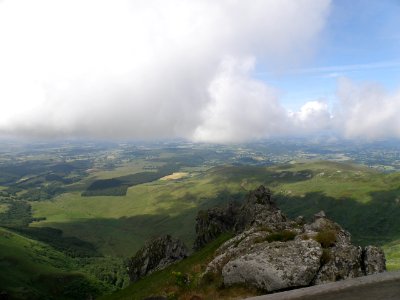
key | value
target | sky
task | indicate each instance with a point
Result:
(208, 71)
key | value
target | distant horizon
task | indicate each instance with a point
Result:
(321, 139)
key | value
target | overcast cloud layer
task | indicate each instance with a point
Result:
(156, 68)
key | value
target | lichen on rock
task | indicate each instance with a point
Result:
(155, 255)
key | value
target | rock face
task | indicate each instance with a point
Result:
(275, 266)
(272, 252)
(257, 209)
(374, 260)
(211, 223)
(342, 263)
(156, 255)
(257, 206)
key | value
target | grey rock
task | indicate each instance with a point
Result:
(324, 224)
(300, 220)
(275, 266)
(212, 222)
(342, 262)
(319, 215)
(233, 248)
(373, 260)
(257, 209)
(272, 252)
(156, 255)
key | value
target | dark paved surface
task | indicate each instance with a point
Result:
(384, 286)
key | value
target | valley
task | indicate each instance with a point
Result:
(92, 206)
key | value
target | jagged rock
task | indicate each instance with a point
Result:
(300, 220)
(272, 252)
(212, 222)
(156, 255)
(275, 266)
(320, 215)
(341, 263)
(258, 209)
(373, 260)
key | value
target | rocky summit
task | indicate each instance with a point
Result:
(272, 252)
(155, 255)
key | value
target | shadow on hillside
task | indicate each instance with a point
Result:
(373, 222)
(124, 236)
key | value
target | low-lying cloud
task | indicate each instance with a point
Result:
(156, 69)
(366, 110)
(151, 68)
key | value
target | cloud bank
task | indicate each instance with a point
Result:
(150, 69)
(366, 110)
(162, 69)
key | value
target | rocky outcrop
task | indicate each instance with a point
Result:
(257, 209)
(156, 255)
(271, 252)
(212, 222)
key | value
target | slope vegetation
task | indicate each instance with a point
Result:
(364, 201)
(34, 270)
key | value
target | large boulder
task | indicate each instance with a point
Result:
(275, 266)
(156, 255)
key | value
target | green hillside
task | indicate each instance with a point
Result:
(34, 270)
(168, 282)
(363, 201)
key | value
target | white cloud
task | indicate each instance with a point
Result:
(149, 68)
(367, 111)
(313, 116)
(241, 107)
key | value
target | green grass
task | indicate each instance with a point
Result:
(33, 270)
(392, 252)
(3, 207)
(126, 222)
(362, 200)
(167, 282)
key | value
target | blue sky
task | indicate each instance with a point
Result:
(361, 41)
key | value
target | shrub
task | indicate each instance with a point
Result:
(326, 256)
(326, 238)
(281, 236)
(181, 279)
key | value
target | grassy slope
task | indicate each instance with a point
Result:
(165, 283)
(363, 201)
(33, 270)
(124, 223)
